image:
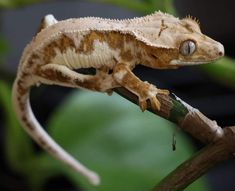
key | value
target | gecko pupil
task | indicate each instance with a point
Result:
(188, 48)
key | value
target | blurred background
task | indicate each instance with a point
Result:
(129, 149)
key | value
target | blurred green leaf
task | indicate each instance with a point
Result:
(3, 48)
(222, 70)
(18, 148)
(16, 3)
(144, 6)
(130, 150)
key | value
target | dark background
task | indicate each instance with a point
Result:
(214, 99)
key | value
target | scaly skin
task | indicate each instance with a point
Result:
(113, 48)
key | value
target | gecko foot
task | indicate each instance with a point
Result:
(109, 92)
(151, 96)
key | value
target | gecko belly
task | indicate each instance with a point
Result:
(100, 55)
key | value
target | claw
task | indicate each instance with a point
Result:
(142, 104)
(109, 92)
(165, 92)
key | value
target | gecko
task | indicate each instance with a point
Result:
(112, 48)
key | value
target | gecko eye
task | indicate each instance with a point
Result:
(187, 48)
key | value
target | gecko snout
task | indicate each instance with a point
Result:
(220, 50)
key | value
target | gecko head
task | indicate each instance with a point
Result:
(175, 42)
(193, 46)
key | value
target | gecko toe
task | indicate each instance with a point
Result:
(109, 92)
(142, 104)
(165, 92)
(155, 104)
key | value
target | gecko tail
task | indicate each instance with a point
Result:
(20, 98)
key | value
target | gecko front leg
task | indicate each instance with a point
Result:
(145, 91)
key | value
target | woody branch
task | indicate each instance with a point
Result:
(220, 143)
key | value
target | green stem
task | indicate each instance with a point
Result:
(223, 70)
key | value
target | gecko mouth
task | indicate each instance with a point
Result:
(187, 63)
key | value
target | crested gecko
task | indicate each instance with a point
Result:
(113, 48)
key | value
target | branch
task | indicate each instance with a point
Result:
(186, 117)
(214, 153)
(221, 143)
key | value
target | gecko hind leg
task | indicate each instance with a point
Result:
(63, 76)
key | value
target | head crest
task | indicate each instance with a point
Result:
(194, 19)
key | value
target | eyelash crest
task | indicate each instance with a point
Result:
(194, 19)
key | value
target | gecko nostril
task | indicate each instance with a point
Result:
(221, 53)
(220, 49)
